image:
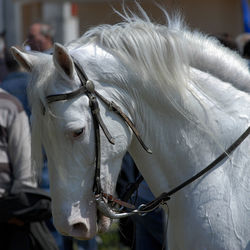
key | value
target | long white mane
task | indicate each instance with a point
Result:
(168, 46)
(160, 55)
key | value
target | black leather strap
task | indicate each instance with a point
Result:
(88, 89)
(66, 96)
(166, 195)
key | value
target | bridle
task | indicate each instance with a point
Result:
(87, 88)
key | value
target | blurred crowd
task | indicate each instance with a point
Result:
(37, 232)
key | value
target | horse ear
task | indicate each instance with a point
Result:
(63, 60)
(23, 58)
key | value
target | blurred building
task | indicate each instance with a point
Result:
(72, 18)
(16, 17)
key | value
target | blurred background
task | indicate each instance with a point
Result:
(72, 18)
(228, 20)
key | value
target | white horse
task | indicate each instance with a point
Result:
(187, 95)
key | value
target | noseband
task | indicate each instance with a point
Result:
(87, 88)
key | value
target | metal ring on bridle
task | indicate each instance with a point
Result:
(90, 86)
(140, 208)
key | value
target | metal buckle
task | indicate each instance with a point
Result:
(139, 209)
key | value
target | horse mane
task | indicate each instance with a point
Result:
(159, 55)
(163, 54)
(206, 53)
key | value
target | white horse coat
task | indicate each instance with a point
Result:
(189, 98)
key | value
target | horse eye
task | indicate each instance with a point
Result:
(78, 132)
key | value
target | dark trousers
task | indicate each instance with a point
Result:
(14, 237)
(31, 236)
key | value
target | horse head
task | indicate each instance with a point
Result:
(66, 131)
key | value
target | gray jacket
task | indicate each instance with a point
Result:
(15, 148)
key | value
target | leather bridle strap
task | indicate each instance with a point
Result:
(165, 196)
(97, 189)
(113, 107)
(66, 96)
(98, 121)
(87, 87)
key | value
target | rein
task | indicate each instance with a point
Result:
(87, 87)
(165, 196)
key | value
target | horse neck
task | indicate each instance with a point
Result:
(206, 53)
(182, 147)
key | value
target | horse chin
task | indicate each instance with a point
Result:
(104, 223)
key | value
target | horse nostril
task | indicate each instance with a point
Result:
(80, 227)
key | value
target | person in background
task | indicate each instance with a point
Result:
(41, 37)
(241, 40)
(140, 232)
(3, 68)
(246, 52)
(227, 41)
(16, 80)
(24, 208)
(243, 44)
(15, 163)
(15, 150)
